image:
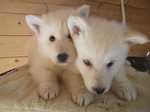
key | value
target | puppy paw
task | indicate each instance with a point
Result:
(126, 91)
(83, 97)
(48, 91)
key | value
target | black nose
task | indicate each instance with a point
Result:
(99, 90)
(62, 57)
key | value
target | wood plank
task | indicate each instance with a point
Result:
(110, 11)
(56, 7)
(139, 50)
(139, 3)
(138, 15)
(94, 6)
(133, 15)
(29, 1)
(115, 2)
(137, 18)
(9, 21)
(145, 4)
(10, 63)
(13, 24)
(22, 7)
(130, 3)
(143, 28)
(65, 2)
(11, 46)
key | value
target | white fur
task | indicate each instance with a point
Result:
(136, 39)
(101, 41)
(44, 65)
(32, 21)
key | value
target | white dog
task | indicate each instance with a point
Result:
(102, 47)
(52, 55)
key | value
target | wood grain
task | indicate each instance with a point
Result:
(13, 46)
(13, 24)
(142, 4)
(22, 7)
(10, 63)
(65, 2)
(139, 50)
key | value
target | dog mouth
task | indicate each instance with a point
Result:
(99, 90)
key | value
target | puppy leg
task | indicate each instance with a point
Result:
(74, 84)
(123, 87)
(48, 86)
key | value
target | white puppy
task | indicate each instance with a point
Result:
(52, 55)
(102, 47)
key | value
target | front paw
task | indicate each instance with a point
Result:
(83, 97)
(48, 90)
(126, 91)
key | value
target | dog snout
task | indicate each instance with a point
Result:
(99, 90)
(62, 57)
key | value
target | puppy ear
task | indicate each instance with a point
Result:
(34, 23)
(136, 38)
(76, 25)
(83, 11)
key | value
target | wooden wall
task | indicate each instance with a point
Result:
(14, 32)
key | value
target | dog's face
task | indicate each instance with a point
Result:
(52, 34)
(102, 48)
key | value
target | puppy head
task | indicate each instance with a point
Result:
(102, 48)
(52, 34)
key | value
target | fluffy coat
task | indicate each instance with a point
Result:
(52, 55)
(102, 47)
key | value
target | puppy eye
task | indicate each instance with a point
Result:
(52, 38)
(87, 62)
(69, 36)
(110, 64)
